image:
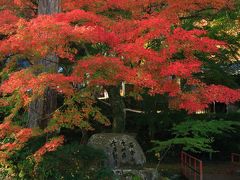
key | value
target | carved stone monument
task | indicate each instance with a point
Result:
(124, 155)
(121, 149)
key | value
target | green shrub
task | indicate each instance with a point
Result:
(71, 161)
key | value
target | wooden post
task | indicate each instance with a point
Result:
(195, 167)
(201, 171)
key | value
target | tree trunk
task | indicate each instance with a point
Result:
(49, 6)
(118, 109)
(40, 109)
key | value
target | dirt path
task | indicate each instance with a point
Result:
(220, 177)
(221, 171)
(211, 170)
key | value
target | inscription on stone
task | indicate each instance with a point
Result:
(121, 149)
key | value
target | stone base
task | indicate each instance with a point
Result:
(143, 174)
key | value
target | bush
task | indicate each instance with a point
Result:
(71, 161)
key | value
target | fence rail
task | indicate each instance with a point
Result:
(192, 168)
(235, 158)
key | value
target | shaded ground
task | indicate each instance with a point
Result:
(220, 177)
(211, 171)
(221, 171)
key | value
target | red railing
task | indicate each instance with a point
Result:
(235, 158)
(192, 168)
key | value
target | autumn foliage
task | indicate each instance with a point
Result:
(140, 49)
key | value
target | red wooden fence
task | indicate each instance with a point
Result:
(235, 158)
(192, 168)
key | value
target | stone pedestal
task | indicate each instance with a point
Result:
(143, 174)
